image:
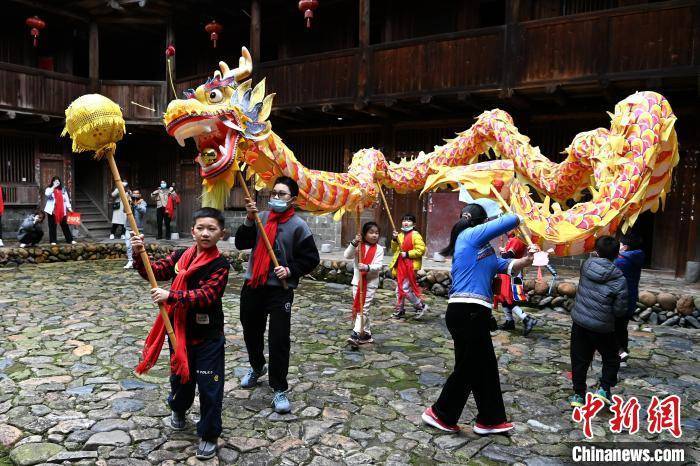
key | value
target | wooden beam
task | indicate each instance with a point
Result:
(608, 90)
(557, 93)
(255, 31)
(130, 20)
(94, 57)
(53, 10)
(467, 99)
(514, 99)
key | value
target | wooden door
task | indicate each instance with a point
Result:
(49, 169)
(190, 191)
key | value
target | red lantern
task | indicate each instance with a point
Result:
(308, 7)
(36, 26)
(214, 29)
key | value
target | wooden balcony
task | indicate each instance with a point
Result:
(150, 94)
(34, 90)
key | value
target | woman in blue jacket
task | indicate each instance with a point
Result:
(468, 317)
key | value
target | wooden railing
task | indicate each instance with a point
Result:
(468, 59)
(603, 43)
(21, 194)
(32, 89)
(146, 93)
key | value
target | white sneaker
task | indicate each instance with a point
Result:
(22, 245)
(53, 244)
(122, 237)
(73, 242)
(2, 244)
(129, 265)
(111, 236)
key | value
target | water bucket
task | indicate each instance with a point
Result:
(437, 257)
(174, 236)
(326, 247)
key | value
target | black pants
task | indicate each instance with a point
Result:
(162, 216)
(64, 227)
(621, 334)
(207, 373)
(584, 344)
(476, 368)
(256, 304)
(117, 229)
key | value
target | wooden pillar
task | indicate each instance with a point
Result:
(94, 58)
(255, 31)
(510, 43)
(169, 39)
(363, 65)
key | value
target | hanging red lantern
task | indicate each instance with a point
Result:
(214, 29)
(36, 24)
(308, 7)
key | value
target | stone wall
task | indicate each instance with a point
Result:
(654, 308)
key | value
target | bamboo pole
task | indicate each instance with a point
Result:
(261, 228)
(144, 255)
(503, 203)
(360, 279)
(386, 207)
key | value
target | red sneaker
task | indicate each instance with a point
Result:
(483, 429)
(431, 419)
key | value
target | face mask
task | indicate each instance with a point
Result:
(406, 229)
(125, 184)
(163, 186)
(278, 205)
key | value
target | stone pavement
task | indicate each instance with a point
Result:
(70, 334)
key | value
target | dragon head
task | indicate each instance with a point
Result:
(220, 115)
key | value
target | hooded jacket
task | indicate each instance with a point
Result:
(601, 296)
(630, 263)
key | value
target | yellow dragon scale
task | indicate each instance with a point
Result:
(627, 169)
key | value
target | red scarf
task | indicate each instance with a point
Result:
(261, 259)
(2, 202)
(188, 264)
(367, 259)
(173, 201)
(404, 269)
(59, 209)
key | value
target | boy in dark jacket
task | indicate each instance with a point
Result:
(199, 274)
(600, 299)
(630, 262)
(263, 291)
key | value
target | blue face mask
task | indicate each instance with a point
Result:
(163, 186)
(278, 205)
(407, 229)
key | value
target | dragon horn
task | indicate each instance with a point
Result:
(245, 65)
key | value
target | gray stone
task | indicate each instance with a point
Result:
(438, 290)
(107, 425)
(654, 318)
(671, 321)
(115, 438)
(126, 405)
(34, 453)
(546, 301)
(692, 321)
(644, 315)
(73, 456)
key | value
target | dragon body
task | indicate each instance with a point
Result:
(626, 169)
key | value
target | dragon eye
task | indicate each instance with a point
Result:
(216, 96)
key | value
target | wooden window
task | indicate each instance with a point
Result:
(16, 160)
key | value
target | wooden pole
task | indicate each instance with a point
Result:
(144, 256)
(360, 279)
(255, 31)
(261, 228)
(503, 203)
(386, 207)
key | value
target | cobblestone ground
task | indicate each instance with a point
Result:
(69, 338)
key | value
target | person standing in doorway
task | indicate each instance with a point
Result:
(173, 201)
(118, 213)
(138, 207)
(57, 207)
(162, 195)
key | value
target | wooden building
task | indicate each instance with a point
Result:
(399, 75)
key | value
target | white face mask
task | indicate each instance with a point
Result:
(406, 229)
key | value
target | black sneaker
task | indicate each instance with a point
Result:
(177, 421)
(399, 314)
(528, 324)
(206, 450)
(366, 338)
(354, 339)
(509, 324)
